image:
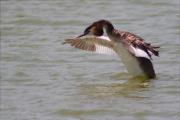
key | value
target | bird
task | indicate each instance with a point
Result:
(134, 52)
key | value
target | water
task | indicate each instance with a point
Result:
(44, 80)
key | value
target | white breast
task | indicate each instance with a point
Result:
(129, 60)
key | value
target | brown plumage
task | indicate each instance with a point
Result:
(137, 41)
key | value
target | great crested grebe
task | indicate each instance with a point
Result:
(133, 51)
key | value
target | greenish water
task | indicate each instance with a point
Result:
(44, 80)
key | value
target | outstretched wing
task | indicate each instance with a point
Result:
(100, 45)
(139, 43)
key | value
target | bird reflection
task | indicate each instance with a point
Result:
(130, 88)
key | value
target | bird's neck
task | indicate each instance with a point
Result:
(109, 28)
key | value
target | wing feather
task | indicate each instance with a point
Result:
(101, 45)
(139, 43)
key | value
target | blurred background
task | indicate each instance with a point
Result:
(44, 80)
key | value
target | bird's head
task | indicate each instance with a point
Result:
(95, 28)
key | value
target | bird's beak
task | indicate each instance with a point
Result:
(85, 33)
(81, 35)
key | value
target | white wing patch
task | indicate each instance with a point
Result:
(104, 50)
(140, 53)
(104, 38)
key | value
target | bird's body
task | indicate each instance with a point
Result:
(133, 51)
(129, 60)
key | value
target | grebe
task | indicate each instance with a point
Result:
(133, 51)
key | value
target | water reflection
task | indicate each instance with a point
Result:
(128, 88)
